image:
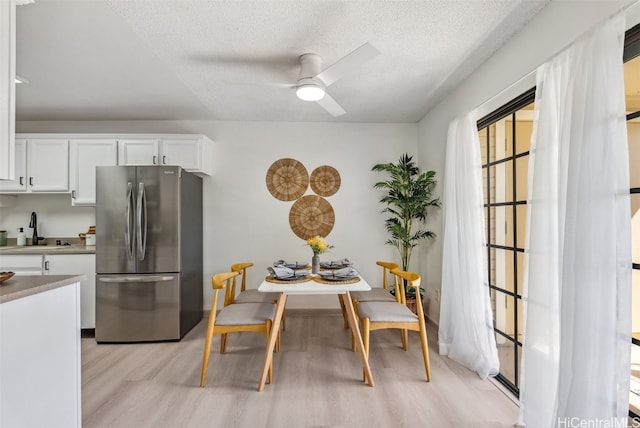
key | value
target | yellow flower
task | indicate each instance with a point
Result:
(318, 244)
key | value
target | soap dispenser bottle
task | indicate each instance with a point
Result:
(22, 237)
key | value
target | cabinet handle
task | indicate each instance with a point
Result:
(31, 181)
(73, 194)
(21, 180)
(154, 159)
(164, 160)
(46, 265)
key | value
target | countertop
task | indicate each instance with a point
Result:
(19, 287)
(48, 249)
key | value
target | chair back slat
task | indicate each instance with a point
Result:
(241, 268)
(387, 267)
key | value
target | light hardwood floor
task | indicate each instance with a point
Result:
(317, 383)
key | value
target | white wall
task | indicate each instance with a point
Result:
(508, 73)
(243, 222)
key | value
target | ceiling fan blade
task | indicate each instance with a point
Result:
(330, 105)
(348, 63)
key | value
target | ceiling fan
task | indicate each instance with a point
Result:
(313, 81)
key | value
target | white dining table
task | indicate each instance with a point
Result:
(309, 288)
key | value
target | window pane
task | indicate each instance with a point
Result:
(482, 134)
(524, 128)
(635, 302)
(633, 132)
(501, 182)
(632, 84)
(508, 136)
(522, 168)
(506, 348)
(492, 143)
(484, 185)
(502, 268)
(635, 227)
(521, 225)
(503, 314)
(520, 276)
(634, 395)
(501, 225)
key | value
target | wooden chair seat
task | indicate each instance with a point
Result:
(373, 295)
(382, 312)
(246, 314)
(255, 296)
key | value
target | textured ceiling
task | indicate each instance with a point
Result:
(237, 60)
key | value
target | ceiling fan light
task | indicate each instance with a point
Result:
(310, 92)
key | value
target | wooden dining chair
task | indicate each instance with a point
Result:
(396, 315)
(249, 317)
(249, 295)
(377, 294)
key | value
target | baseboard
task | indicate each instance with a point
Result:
(88, 333)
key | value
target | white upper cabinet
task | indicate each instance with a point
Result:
(138, 152)
(42, 165)
(19, 184)
(84, 156)
(7, 87)
(48, 165)
(194, 153)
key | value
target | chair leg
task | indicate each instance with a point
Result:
(284, 320)
(366, 329)
(425, 350)
(345, 322)
(223, 343)
(207, 350)
(270, 373)
(404, 336)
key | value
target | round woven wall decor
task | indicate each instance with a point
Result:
(325, 180)
(311, 215)
(287, 179)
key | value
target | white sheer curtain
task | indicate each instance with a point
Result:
(577, 268)
(466, 327)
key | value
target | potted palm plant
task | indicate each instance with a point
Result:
(408, 198)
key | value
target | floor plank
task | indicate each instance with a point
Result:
(317, 383)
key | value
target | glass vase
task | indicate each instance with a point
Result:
(315, 263)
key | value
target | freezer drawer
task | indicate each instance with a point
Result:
(137, 308)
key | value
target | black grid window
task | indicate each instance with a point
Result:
(504, 138)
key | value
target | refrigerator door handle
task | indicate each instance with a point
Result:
(142, 222)
(146, 278)
(128, 237)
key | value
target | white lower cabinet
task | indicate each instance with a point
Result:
(40, 350)
(30, 264)
(76, 264)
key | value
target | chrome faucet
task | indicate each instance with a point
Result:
(34, 224)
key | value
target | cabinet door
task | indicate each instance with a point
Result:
(7, 86)
(48, 165)
(20, 182)
(21, 264)
(183, 153)
(138, 152)
(77, 264)
(84, 156)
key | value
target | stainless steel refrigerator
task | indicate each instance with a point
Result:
(148, 253)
